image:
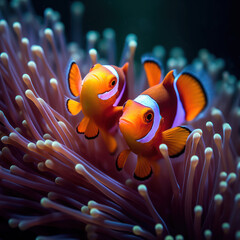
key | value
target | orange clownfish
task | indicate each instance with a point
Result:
(154, 117)
(100, 93)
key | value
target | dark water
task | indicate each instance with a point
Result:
(191, 25)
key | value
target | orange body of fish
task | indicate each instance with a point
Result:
(100, 92)
(154, 117)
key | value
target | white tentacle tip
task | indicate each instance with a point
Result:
(209, 125)
(198, 210)
(17, 25)
(216, 112)
(225, 227)
(158, 229)
(179, 237)
(54, 83)
(56, 145)
(29, 94)
(142, 189)
(92, 52)
(137, 230)
(13, 223)
(26, 78)
(32, 65)
(237, 199)
(59, 27)
(132, 44)
(199, 131)
(208, 234)
(37, 50)
(31, 146)
(196, 136)
(25, 41)
(223, 186)
(4, 58)
(208, 153)
(92, 204)
(13, 136)
(163, 149)
(218, 139)
(194, 160)
(218, 199)
(227, 127)
(95, 212)
(49, 164)
(45, 202)
(4, 139)
(80, 168)
(237, 235)
(85, 209)
(48, 33)
(19, 100)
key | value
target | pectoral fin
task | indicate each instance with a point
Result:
(143, 169)
(121, 159)
(175, 139)
(73, 107)
(74, 79)
(153, 70)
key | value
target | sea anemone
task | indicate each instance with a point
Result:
(55, 184)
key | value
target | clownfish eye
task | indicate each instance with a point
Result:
(124, 105)
(148, 116)
(113, 83)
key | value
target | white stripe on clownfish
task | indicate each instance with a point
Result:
(147, 101)
(112, 92)
(180, 113)
(121, 93)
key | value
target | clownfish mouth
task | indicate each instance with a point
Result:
(125, 121)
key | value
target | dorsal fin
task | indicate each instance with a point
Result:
(125, 68)
(74, 79)
(192, 95)
(153, 70)
(169, 79)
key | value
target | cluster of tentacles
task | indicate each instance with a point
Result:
(55, 184)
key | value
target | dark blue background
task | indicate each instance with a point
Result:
(191, 25)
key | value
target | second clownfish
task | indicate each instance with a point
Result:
(155, 116)
(100, 92)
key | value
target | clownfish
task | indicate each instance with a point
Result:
(154, 117)
(100, 92)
